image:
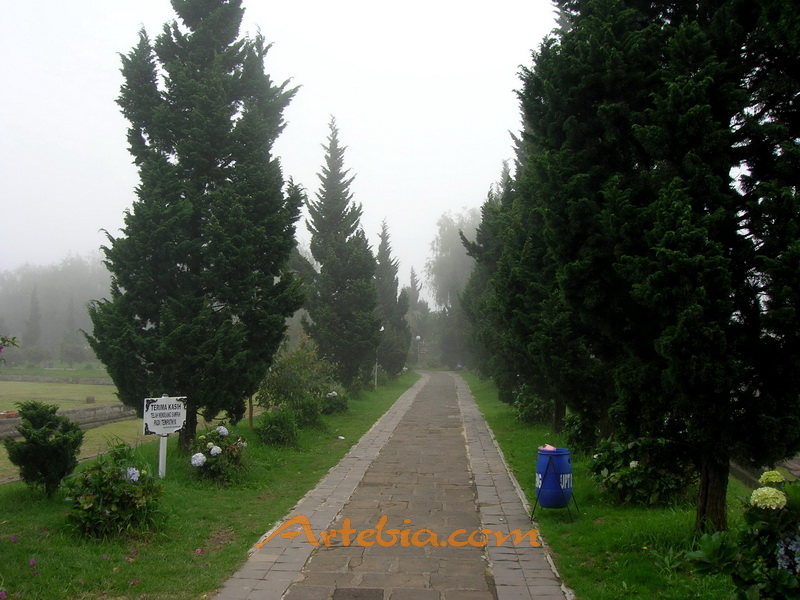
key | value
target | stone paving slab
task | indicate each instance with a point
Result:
(428, 468)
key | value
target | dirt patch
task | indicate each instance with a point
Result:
(219, 538)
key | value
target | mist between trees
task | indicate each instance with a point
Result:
(44, 306)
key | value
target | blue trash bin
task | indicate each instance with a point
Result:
(554, 478)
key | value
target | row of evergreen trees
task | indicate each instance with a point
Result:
(207, 270)
(642, 266)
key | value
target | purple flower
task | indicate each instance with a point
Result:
(32, 562)
(13, 538)
(133, 474)
(222, 430)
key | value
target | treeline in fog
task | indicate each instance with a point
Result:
(44, 307)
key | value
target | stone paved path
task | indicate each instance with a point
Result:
(427, 469)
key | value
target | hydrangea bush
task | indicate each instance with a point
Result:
(763, 557)
(644, 471)
(218, 456)
(116, 495)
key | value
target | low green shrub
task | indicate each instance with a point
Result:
(116, 495)
(296, 374)
(762, 557)
(218, 456)
(644, 471)
(49, 449)
(532, 409)
(278, 427)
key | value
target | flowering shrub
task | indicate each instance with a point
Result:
(115, 495)
(335, 401)
(763, 557)
(645, 471)
(218, 456)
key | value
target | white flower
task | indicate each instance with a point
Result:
(767, 497)
(771, 477)
(596, 456)
(222, 430)
(133, 474)
(331, 395)
(634, 464)
(216, 451)
(210, 445)
(198, 460)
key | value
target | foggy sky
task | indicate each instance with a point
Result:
(422, 91)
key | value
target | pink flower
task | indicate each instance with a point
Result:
(32, 562)
(200, 551)
(129, 558)
(134, 581)
(13, 539)
(105, 556)
(202, 566)
(133, 551)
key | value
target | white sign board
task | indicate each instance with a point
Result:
(164, 415)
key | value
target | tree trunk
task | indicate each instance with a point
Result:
(711, 504)
(189, 431)
(559, 412)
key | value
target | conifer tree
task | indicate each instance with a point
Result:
(681, 282)
(200, 289)
(395, 337)
(342, 305)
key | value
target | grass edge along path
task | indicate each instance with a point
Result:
(209, 529)
(610, 551)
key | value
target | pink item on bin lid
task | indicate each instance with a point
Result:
(547, 447)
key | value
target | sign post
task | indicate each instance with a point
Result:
(163, 416)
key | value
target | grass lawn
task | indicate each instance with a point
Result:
(66, 395)
(209, 529)
(84, 371)
(610, 551)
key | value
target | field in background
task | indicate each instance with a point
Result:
(66, 395)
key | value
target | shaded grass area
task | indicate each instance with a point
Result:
(209, 529)
(609, 551)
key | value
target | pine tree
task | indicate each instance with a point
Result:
(200, 288)
(342, 306)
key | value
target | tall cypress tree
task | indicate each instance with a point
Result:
(682, 283)
(395, 338)
(200, 289)
(342, 304)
